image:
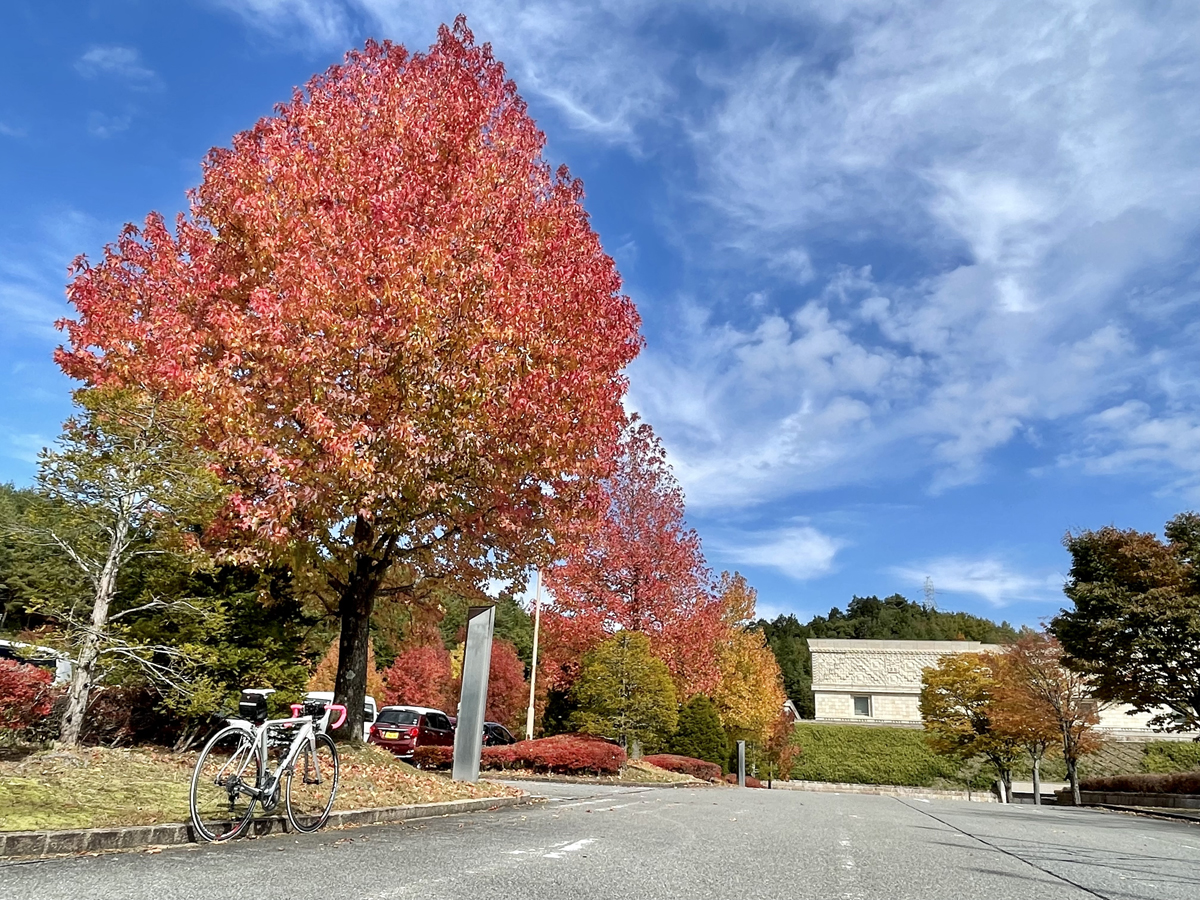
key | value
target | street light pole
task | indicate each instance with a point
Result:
(537, 627)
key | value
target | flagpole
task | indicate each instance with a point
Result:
(537, 625)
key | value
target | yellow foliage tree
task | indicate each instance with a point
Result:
(750, 693)
(325, 673)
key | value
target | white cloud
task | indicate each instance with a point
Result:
(102, 125)
(988, 577)
(1030, 164)
(590, 61)
(119, 62)
(800, 552)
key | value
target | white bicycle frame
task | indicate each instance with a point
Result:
(258, 733)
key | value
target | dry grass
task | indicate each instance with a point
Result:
(97, 787)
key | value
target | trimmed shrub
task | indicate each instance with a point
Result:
(1171, 756)
(699, 734)
(685, 765)
(433, 757)
(751, 781)
(864, 754)
(26, 695)
(563, 754)
(1174, 783)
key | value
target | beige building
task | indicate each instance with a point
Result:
(879, 683)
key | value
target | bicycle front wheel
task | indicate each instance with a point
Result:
(228, 771)
(312, 785)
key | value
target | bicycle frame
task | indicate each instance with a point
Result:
(307, 734)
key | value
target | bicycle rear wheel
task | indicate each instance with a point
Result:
(312, 785)
(220, 803)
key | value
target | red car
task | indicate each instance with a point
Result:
(402, 729)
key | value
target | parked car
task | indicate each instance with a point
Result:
(402, 729)
(496, 735)
(369, 708)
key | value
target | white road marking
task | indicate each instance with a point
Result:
(569, 848)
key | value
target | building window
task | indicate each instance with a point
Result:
(862, 706)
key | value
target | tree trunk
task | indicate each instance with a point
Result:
(89, 649)
(1037, 781)
(1073, 777)
(355, 607)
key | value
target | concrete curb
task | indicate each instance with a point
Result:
(886, 790)
(1145, 811)
(37, 844)
(572, 779)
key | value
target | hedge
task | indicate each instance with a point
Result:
(563, 754)
(685, 765)
(1171, 756)
(1174, 783)
(751, 781)
(433, 757)
(864, 754)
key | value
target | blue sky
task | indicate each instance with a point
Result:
(919, 280)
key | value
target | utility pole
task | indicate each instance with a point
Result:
(537, 627)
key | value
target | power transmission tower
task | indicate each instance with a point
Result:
(930, 595)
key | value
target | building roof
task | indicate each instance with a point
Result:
(922, 646)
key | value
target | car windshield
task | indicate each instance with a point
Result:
(397, 717)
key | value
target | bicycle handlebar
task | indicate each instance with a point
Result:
(341, 718)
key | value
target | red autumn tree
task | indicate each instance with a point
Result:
(405, 336)
(420, 676)
(508, 691)
(641, 569)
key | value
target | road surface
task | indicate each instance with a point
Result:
(633, 843)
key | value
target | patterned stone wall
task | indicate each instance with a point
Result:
(898, 668)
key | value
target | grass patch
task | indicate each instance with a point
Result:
(99, 787)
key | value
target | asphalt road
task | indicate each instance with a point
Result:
(633, 843)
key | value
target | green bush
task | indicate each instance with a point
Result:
(700, 734)
(863, 754)
(1171, 756)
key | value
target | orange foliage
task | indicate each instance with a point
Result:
(325, 673)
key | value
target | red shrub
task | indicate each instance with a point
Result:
(1174, 783)
(751, 781)
(685, 765)
(25, 694)
(564, 754)
(433, 757)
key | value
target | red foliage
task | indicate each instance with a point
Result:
(420, 676)
(564, 754)
(642, 570)
(686, 765)
(25, 694)
(508, 691)
(434, 757)
(751, 781)
(1173, 783)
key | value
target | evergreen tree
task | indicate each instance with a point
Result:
(700, 734)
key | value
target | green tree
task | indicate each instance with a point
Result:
(699, 733)
(1135, 626)
(625, 693)
(131, 486)
(957, 710)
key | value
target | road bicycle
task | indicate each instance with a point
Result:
(233, 773)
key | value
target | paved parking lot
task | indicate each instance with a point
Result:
(630, 843)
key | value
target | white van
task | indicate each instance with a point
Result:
(370, 710)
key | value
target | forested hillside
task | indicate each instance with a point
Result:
(893, 618)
